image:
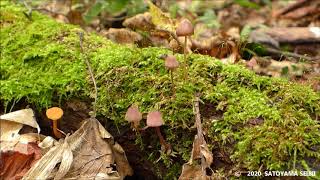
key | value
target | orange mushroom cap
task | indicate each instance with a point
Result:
(133, 114)
(154, 119)
(54, 113)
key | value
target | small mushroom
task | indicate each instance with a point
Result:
(55, 113)
(154, 119)
(171, 64)
(133, 116)
(185, 28)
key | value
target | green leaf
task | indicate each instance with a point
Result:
(247, 4)
(160, 19)
(136, 7)
(245, 32)
(209, 18)
(94, 11)
(115, 6)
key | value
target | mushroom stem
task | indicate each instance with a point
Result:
(135, 125)
(172, 83)
(185, 57)
(55, 129)
(162, 141)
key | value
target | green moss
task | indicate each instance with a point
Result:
(41, 62)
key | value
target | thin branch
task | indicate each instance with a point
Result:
(91, 74)
(291, 7)
(291, 54)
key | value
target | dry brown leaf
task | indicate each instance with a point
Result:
(9, 131)
(122, 36)
(89, 153)
(207, 154)
(14, 164)
(192, 172)
(140, 21)
(195, 153)
(24, 117)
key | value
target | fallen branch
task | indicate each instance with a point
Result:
(291, 54)
(291, 7)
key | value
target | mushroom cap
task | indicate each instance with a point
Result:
(171, 62)
(54, 113)
(185, 28)
(133, 114)
(154, 119)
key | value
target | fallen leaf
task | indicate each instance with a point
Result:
(122, 36)
(140, 21)
(90, 152)
(14, 164)
(24, 116)
(160, 19)
(192, 172)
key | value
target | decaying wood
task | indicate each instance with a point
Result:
(276, 52)
(291, 7)
(295, 34)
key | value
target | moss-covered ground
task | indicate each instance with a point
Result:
(257, 122)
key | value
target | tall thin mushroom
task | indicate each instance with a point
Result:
(154, 119)
(171, 64)
(185, 28)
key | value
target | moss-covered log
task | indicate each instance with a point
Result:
(257, 122)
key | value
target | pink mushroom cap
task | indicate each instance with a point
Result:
(171, 62)
(185, 28)
(133, 114)
(154, 119)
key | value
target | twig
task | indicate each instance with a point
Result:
(199, 130)
(91, 74)
(291, 7)
(13, 104)
(48, 11)
(290, 54)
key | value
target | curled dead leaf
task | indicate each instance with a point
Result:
(122, 36)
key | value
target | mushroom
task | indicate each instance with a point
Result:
(133, 116)
(55, 113)
(171, 64)
(154, 119)
(185, 28)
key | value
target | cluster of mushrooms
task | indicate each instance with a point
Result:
(133, 115)
(154, 118)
